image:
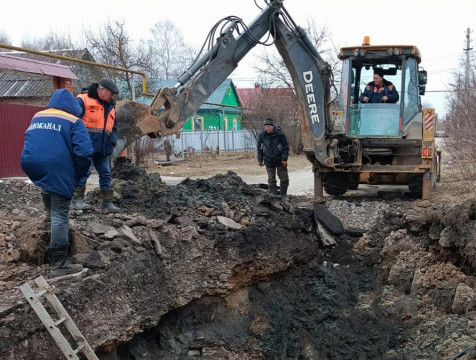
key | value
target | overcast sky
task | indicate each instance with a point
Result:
(437, 28)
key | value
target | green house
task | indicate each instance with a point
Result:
(222, 110)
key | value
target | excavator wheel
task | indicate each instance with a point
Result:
(354, 179)
(415, 186)
(335, 183)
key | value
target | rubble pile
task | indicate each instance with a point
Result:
(220, 269)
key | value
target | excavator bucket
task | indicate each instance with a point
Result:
(132, 120)
(135, 120)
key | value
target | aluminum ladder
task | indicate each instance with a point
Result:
(51, 325)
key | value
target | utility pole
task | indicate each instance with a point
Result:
(468, 49)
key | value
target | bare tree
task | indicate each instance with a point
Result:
(112, 45)
(170, 55)
(51, 41)
(142, 148)
(460, 129)
(273, 70)
(4, 39)
(322, 40)
(281, 106)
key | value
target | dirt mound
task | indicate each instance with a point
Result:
(217, 268)
(19, 194)
(226, 195)
(124, 169)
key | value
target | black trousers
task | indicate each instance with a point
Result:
(282, 174)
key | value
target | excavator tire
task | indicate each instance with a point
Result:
(415, 186)
(354, 179)
(335, 183)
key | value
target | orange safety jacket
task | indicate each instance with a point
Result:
(93, 117)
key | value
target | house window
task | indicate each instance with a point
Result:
(235, 124)
(225, 123)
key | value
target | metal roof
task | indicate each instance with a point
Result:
(247, 95)
(87, 74)
(14, 63)
(219, 94)
(23, 85)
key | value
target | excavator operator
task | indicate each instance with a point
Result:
(379, 90)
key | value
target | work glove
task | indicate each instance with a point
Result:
(260, 163)
(285, 163)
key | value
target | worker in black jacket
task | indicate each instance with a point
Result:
(273, 151)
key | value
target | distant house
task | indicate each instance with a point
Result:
(251, 98)
(222, 110)
(30, 81)
(85, 74)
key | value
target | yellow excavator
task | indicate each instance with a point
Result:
(347, 141)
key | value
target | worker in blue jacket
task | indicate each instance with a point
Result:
(56, 154)
(379, 90)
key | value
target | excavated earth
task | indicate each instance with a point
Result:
(219, 269)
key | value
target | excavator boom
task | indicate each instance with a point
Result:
(171, 107)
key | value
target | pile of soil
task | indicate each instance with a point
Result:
(220, 269)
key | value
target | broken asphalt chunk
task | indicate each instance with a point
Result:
(229, 223)
(328, 220)
(129, 236)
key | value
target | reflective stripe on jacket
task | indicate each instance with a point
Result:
(57, 149)
(94, 118)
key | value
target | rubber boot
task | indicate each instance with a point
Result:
(273, 190)
(284, 191)
(107, 196)
(47, 203)
(78, 202)
(60, 264)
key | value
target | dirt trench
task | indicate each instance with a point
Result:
(219, 269)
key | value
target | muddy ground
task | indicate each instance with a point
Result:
(244, 164)
(219, 269)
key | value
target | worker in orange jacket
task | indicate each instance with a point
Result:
(99, 117)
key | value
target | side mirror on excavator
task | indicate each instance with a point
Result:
(422, 80)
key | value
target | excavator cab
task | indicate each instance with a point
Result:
(399, 65)
(382, 142)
